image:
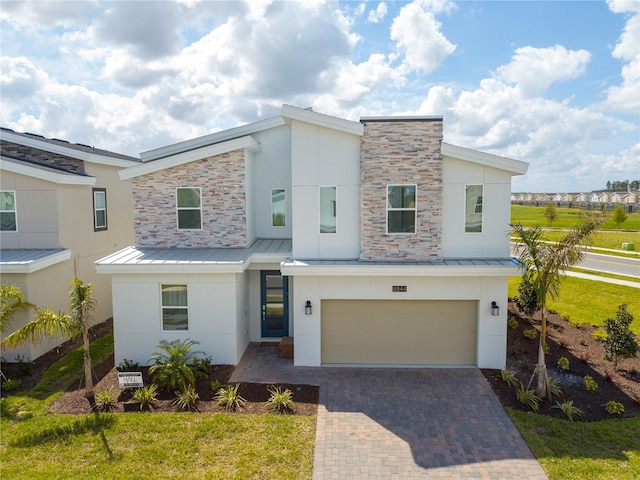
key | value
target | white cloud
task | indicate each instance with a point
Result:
(418, 37)
(533, 70)
(625, 98)
(377, 15)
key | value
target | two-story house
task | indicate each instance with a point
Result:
(62, 207)
(369, 242)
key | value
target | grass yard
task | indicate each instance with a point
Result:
(170, 445)
(35, 445)
(530, 216)
(609, 449)
(586, 301)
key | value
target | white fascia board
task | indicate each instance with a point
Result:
(30, 267)
(169, 268)
(247, 142)
(516, 167)
(298, 268)
(10, 165)
(67, 151)
(322, 120)
(222, 136)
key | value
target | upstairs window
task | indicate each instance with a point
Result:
(175, 313)
(189, 208)
(8, 221)
(401, 209)
(473, 209)
(278, 207)
(328, 210)
(99, 209)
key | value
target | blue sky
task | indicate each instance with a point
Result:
(555, 84)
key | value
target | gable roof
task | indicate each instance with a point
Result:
(516, 167)
(290, 112)
(44, 172)
(64, 148)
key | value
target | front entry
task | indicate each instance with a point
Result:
(274, 293)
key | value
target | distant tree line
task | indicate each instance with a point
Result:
(622, 185)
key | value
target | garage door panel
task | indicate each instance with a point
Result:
(399, 332)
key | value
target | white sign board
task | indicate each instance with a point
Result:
(130, 379)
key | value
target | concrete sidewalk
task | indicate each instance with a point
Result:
(394, 423)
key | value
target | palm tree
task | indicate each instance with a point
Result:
(47, 322)
(11, 302)
(542, 264)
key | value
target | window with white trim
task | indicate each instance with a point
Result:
(278, 207)
(189, 208)
(8, 217)
(473, 208)
(99, 209)
(175, 312)
(401, 209)
(328, 217)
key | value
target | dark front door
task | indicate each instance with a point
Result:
(275, 304)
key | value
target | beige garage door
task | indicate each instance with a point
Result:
(407, 332)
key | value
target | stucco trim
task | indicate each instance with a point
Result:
(322, 120)
(515, 167)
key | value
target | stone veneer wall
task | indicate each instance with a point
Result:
(224, 215)
(401, 152)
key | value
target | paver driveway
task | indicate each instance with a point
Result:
(386, 423)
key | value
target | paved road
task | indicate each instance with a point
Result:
(610, 264)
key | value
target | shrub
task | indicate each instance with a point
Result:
(229, 398)
(11, 384)
(146, 396)
(202, 366)
(554, 388)
(512, 322)
(527, 300)
(589, 383)
(174, 364)
(530, 333)
(216, 385)
(619, 342)
(280, 400)
(106, 399)
(614, 408)
(187, 399)
(509, 376)
(569, 409)
(528, 398)
(128, 366)
(563, 363)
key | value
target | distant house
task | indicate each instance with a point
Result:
(369, 242)
(62, 206)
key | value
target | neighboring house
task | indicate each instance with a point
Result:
(369, 242)
(62, 207)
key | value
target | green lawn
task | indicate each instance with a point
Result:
(586, 301)
(609, 449)
(167, 445)
(567, 217)
(35, 445)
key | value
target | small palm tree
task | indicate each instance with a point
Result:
(46, 322)
(11, 302)
(174, 364)
(542, 264)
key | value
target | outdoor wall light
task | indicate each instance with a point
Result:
(307, 307)
(495, 309)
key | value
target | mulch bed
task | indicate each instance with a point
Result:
(586, 357)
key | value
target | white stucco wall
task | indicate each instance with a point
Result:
(493, 242)
(271, 168)
(492, 331)
(324, 157)
(213, 315)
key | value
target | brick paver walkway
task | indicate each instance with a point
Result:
(392, 423)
